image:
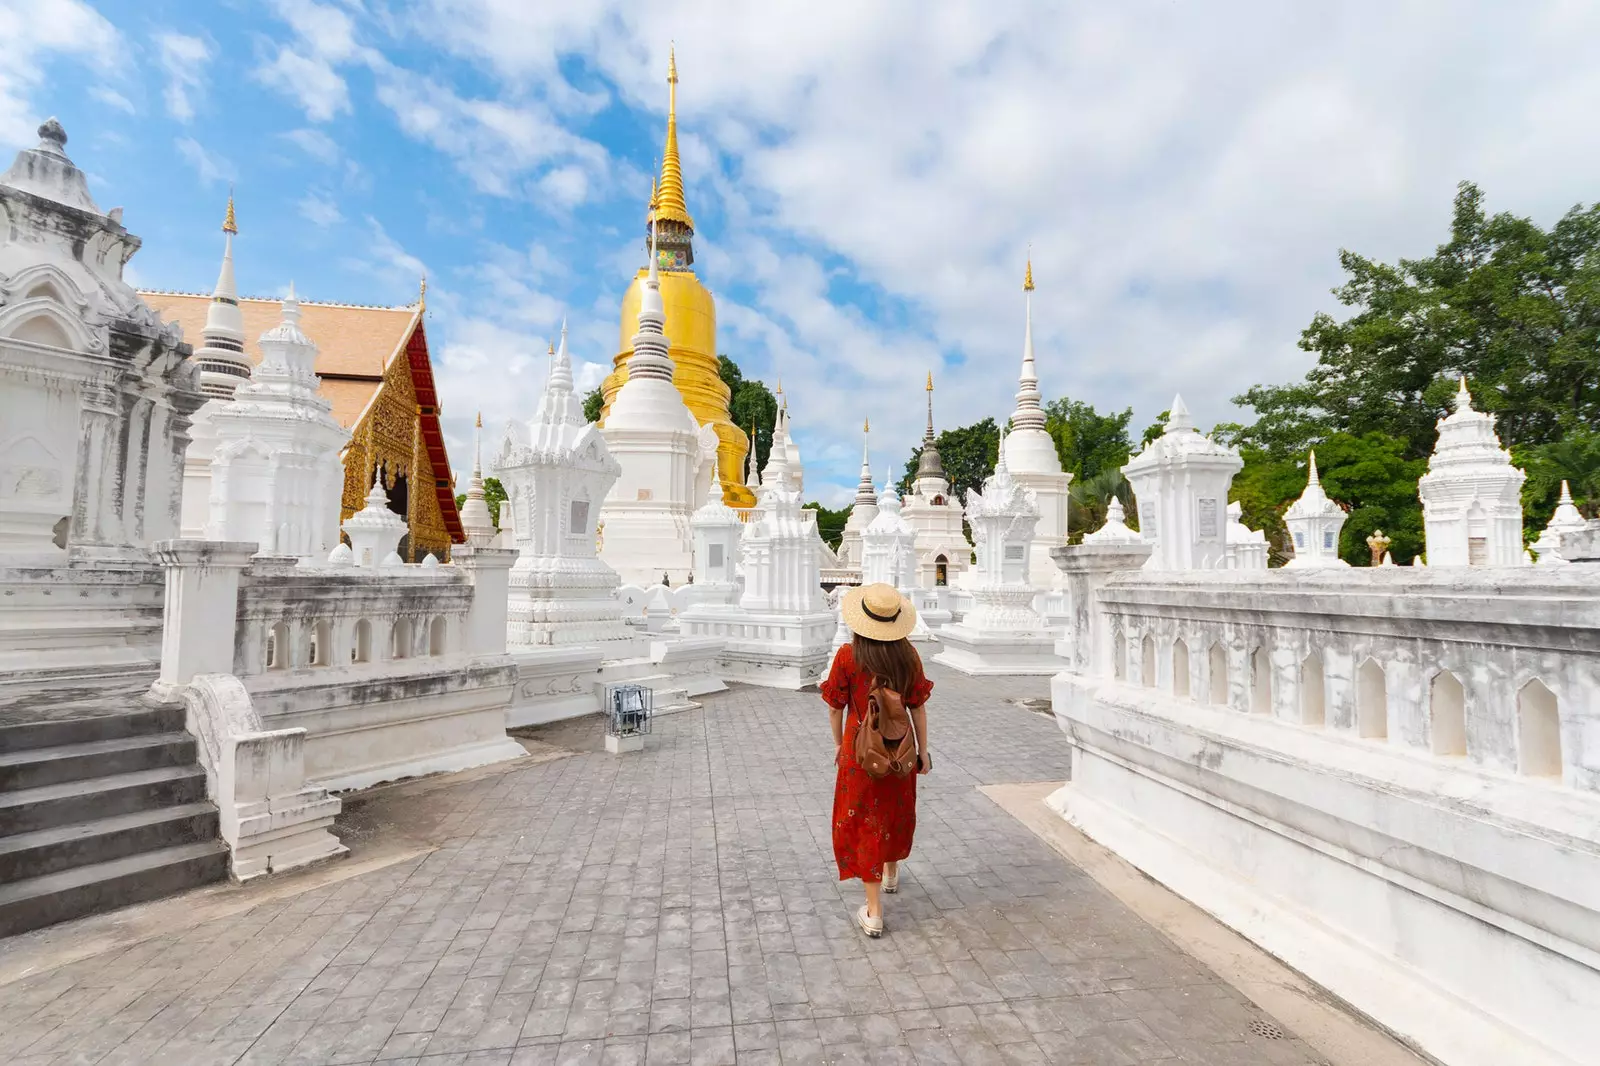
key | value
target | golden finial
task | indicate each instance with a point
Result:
(552, 350)
(480, 419)
(930, 381)
(670, 204)
(1027, 279)
(422, 294)
(866, 425)
(228, 223)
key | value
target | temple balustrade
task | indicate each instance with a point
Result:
(1387, 777)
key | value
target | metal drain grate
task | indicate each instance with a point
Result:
(1266, 1030)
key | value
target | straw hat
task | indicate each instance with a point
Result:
(878, 612)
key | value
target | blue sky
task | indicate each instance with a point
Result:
(865, 179)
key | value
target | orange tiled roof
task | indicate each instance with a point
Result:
(354, 343)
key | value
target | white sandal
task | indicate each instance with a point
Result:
(891, 883)
(871, 926)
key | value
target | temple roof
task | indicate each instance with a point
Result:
(354, 342)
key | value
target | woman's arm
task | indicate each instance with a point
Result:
(919, 718)
(836, 720)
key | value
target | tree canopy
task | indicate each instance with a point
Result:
(967, 454)
(1513, 307)
(751, 404)
(830, 523)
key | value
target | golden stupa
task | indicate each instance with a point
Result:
(691, 316)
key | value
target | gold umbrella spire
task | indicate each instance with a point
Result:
(1027, 279)
(229, 225)
(670, 204)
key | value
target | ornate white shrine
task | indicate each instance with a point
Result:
(1314, 523)
(943, 553)
(1566, 519)
(1001, 633)
(476, 521)
(862, 510)
(1471, 494)
(1181, 481)
(275, 474)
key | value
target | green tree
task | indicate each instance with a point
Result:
(593, 402)
(1088, 498)
(1263, 489)
(750, 403)
(494, 494)
(1513, 307)
(830, 523)
(1155, 429)
(967, 454)
(1373, 477)
(1087, 441)
(1574, 459)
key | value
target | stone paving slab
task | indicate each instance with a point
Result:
(678, 905)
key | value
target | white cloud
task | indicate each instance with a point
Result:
(184, 60)
(319, 209)
(1186, 181)
(314, 143)
(112, 98)
(209, 168)
(32, 33)
(310, 80)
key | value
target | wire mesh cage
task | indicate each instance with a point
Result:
(629, 710)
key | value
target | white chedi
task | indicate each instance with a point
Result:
(1032, 458)
(476, 521)
(1314, 522)
(1115, 530)
(556, 470)
(375, 530)
(888, 543)
(943, 552)
(661, 450)
(1566, 519)
(862, 511)
(275, 476)
(1246, 547)
(717, 533)
(1181, 481)
(1002, 633)
(1471, 494)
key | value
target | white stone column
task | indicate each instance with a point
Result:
(202, 606)
(95, 474)
(1087, 568)
(490, 572)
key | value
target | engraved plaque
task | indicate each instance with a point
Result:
(580, 517)
(1207, 513)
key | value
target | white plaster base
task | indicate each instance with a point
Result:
(1459, 909)
(979, 652)
(557, 683)
(785, 651)
(622, 745)
(449, 714)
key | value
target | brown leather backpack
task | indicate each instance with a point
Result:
(886, 742)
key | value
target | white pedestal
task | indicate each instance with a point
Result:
(618, 745)
(982, 652)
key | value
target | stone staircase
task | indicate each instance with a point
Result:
(669, 695)
(97, 813)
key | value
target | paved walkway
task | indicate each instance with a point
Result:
(674, 906)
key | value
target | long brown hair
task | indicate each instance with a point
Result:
(893, 662)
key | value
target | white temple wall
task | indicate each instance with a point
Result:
(1388, 779)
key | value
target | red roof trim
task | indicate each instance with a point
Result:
(432, 435)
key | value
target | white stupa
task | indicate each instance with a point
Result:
(275, 476)
(1314, 523)
(1033, 461)
(943, 552)
(1181, 480)
(862, 511)
(1471, 494)
(1246, 547)
(375, 530)
(717, 533)
(223, 368)
(1567, 519)
(1002, 633)
(476, 521)
(556, 471)
(661, 449)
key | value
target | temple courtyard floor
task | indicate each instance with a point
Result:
(680, 905)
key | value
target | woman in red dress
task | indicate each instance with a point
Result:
(874, 818)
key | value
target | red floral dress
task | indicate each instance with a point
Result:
(873, 818)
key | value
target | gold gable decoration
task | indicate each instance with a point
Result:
(389, 433)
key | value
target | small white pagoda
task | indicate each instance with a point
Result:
(1181, 480)
(275, 475)
(717, 533)
(1567, 519)
(1314, 523)
(374, 531)
(862, 511)
(661, 450)
(556, 471)
(476, 521)
(943, 552)
(1002, 633)
(1471, 494)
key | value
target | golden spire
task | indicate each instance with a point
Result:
(930, 381)
(422, 294)
(480, 419)
(552, 350)
(228, 223)
(669, 203)
(1027, 279)
(866, 425)
(650, 214)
